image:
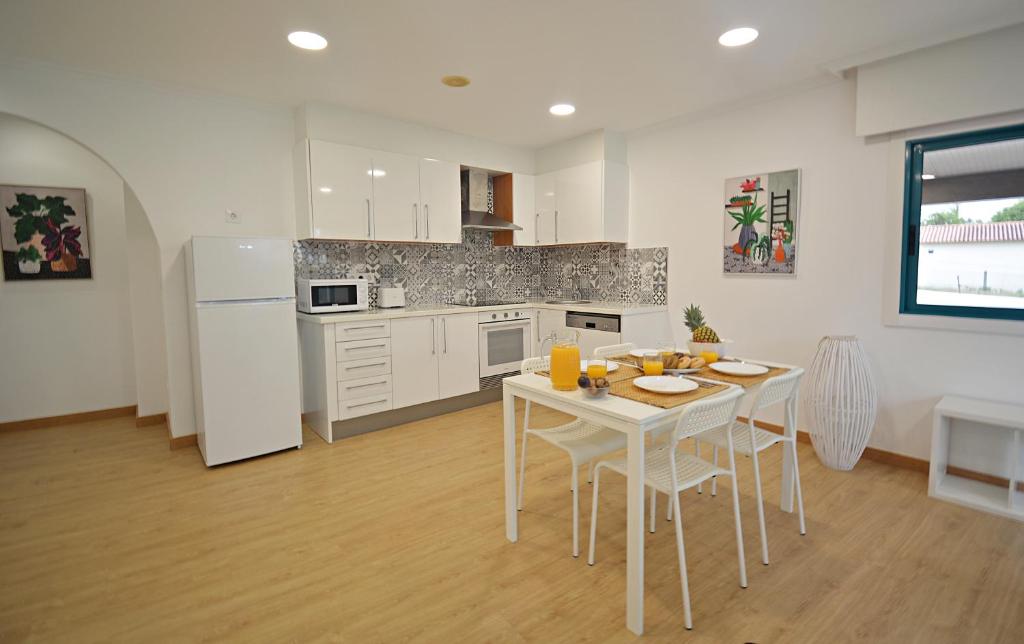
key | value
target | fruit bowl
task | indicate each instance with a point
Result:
(591, 388)
(596, 392)
(697, 348)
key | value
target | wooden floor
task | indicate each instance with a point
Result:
(397, 536)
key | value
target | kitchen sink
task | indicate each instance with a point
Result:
(567, 302)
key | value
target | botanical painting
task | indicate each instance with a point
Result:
(760, 223)
(44, 233)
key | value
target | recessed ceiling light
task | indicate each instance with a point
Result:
(562, 109)
(455, 81)
(307, 40)
(738, 36)
(376, 172)
(325, 190)
(927, 177)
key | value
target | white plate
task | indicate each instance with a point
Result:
(679, 371)
(739, 368)
(639, 353)
(665, 384)
(612, 366)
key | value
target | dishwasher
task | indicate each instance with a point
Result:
(595, 330)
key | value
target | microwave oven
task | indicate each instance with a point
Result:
(331, 296)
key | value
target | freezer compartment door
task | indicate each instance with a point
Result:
(231, 268)
(249, 379)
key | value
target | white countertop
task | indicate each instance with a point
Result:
(609, 308)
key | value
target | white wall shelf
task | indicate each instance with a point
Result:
(1005, 501)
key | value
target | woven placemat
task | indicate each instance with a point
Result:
(626, 389)
(624, 372)
(711, 374)
(743, 381)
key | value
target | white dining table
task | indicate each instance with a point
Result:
(636, 420)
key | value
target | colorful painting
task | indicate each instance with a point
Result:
(44, 233)
(760, 223)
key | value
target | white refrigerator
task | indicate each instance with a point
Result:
(245, 359)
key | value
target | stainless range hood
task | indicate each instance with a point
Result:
(474, 204)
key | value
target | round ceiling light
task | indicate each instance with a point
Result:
(738, 37)
(307, 40)
(455, 81)
(326, 190)
(562, 109)
(927, 177)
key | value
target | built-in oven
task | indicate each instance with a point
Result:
(505, 341)
(331, 295)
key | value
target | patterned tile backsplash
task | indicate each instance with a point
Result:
(478, 270)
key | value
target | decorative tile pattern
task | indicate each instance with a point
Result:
(476, 269)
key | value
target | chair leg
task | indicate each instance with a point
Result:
(654, 501)
(593, 516)
(799, 495)
(522, 471)
(687, 617)
(575, 511)
(700, 486)
(714, 479)
(668, 512)
(590, 472)
(741, 557)
(760, 507)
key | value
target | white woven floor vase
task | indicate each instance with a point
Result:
(842, 401)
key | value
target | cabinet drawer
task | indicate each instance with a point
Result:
(359, 349)
(366, 329)
(363, 406)
(364, 387)
(364, 368)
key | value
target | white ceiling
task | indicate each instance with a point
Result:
(975, 159)
(623, 63)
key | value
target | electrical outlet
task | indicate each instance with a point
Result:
(232, 217)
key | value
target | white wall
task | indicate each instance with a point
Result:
(966, 78)
(147, 309)
(940, 265)
(187, 156)
(66, 345)
(847, 213)
(599, 145)
(362, 129)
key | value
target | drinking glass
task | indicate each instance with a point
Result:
(653, 364)
(597, 368)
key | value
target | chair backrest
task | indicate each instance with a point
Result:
(535, 364)
(613, 350)
(777, 389)
(707, 414)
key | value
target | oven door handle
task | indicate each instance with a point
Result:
(487, 326)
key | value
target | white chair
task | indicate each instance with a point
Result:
(749, 440)
(613, 350)
(669, 471)
(582, 441)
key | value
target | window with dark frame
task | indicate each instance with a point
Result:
(963, 225)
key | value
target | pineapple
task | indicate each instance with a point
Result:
(695, 322)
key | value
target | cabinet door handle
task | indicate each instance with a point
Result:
(368, 326)
(372, 402)
(433, 337)
(366, 346)
(366, 366)
(369, 384)
(536, 228)
(444, 335)
(368, 233)
(415, 222)
(426, 216)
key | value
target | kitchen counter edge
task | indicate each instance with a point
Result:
(608, 308)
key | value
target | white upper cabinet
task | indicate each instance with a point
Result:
(440, 202)
(345, 192)
(338, 191)
(458, 366)
(584, 203)
(524, 210)
(396, 197)
(546, 199)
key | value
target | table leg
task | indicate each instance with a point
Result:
(635, 534)
(788, 483)
(511, 517)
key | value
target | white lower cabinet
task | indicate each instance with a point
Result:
(458, 364)
(434, 357)
(414, 360)
(363, 406)
(548, 322)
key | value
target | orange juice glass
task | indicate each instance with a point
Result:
(565, 365)
(597, 368)
(653, 364)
